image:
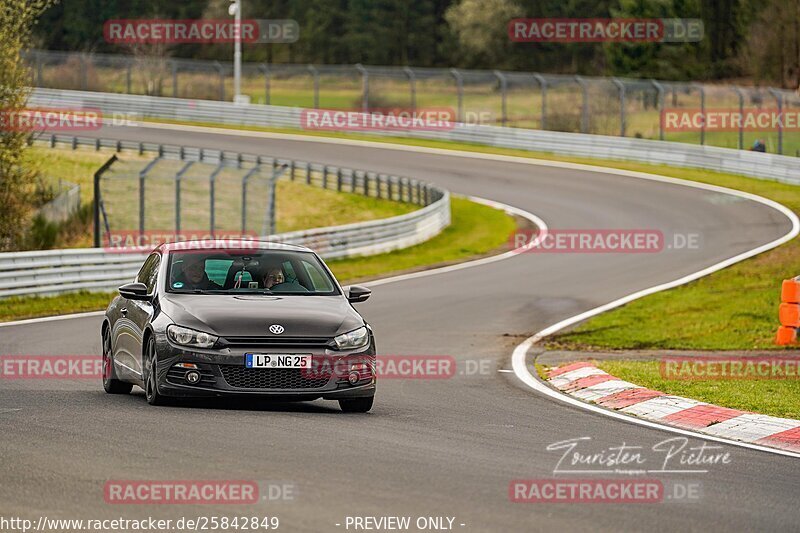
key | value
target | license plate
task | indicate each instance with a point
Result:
(277, 360)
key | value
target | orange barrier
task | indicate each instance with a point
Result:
(789, 312)
(789, 315)
(790, 291)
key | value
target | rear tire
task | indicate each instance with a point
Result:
(151, 376)
(110, 382)
(356, 405)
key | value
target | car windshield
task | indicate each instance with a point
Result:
(248, 272)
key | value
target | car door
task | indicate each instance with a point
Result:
(133, 317)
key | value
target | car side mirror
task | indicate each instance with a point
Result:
(357, 294)
(134, 291)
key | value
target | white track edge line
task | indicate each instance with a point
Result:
(381, 281)
(518, 357)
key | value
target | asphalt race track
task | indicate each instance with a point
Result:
(444, 447)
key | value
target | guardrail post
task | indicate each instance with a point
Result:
(269, 221)
(315, 74)
(174, 65)
(366, 183)
(702, 111)
(178, 178)
(265, 69)
(212, 179)
(245, 179)
(412, 86)
(460, 90)
(740, 94)
(378, 186)
(364, 87)
(779, 100)
(584, 104)
(324, 176)
(339, 179)
(419, 191)
(291, 170)
(389, 188)
(221, 71)
(503, 95)
(98, 199)
(353, 176)
(543, 89)
(660, 107)
(621, 87)
(84, 73)
(308, 173)
(39, 72)
(142, 175)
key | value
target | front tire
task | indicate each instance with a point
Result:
(151, 375)
(110, 382)
(356, 405)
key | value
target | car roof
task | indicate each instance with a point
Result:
(228, 244)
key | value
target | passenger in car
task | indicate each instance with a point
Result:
(275, 280)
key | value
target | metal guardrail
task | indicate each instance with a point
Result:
(99, 269)
(570, 103)
(753, 164)
(330, 177)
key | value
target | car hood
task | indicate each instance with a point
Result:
(252, 315)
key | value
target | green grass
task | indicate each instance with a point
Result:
(298, 206)
(476, 230)
(20, 307)
(523, 104)
(732, 309)
(770, 397)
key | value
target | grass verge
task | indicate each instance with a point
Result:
(298, 206)
(769, 397)
(732, 309)
(476, 230)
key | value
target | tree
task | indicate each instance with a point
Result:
(481, 27)
(772, 53)
(17, 18)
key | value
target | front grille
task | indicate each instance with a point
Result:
(277, 342)
(270, 378)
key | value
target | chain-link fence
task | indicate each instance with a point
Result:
(194, 193)
(606, 106)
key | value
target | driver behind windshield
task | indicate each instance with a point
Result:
(193, 275)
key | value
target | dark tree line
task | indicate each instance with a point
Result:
(756, 38)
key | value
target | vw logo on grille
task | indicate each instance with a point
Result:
(277, 329)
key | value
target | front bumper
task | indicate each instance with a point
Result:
(223, 373)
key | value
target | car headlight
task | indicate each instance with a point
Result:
(190, 337)
(352, 339)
